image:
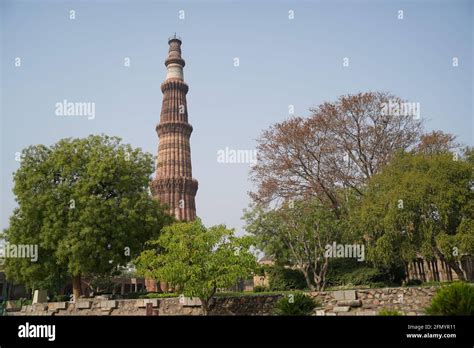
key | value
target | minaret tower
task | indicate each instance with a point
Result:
(174, 184)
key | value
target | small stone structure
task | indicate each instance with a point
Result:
(409, 300)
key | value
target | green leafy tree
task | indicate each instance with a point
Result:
(198, 260)
(297, 235)
(419, 205)
(85, 203)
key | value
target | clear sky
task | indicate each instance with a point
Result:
(282, 62)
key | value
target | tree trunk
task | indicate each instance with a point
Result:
(308, 280)
(459, 272)
(207, 302)
(76, 286)
(452, 263)
(204, 308)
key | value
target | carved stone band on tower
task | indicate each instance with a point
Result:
(173, 183)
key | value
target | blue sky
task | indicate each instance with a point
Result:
(282, 62)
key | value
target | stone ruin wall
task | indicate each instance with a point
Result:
(409, 300)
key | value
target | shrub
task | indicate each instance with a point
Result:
(281, 279)
(454, 299)
(295, 304)
(132, 295)
(389, 312)
(343, 272)
(60, 298)
(413, 282)
(259, 288)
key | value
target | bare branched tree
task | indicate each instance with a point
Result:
(342, 144)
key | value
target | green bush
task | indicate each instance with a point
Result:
(454, 299)
(282, 279)
(132, 295)
(259, 288)
(343, 272)
(414, 282)
(295, 304)
(389, 312)
(60, 298)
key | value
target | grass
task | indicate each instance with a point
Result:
(387, 312)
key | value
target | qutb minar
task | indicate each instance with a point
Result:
(174, 184)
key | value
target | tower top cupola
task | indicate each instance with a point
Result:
(174, 63)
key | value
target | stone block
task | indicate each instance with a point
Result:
(39, 307)
(104, 297)
(339, 309)
(342, 295)
(373, 313)
(190, 301)
(141, 303)
(153, 301)
(320, 312)
(11, 306)
(108, 304)
(105, 311)
(40, 296)
(350, 295)
(338, 295)
(350, 303)
(83, 304)
(26, 308)
(53, 306)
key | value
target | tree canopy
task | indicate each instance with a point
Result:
(198, 260)
(341, 144)
(85, 203)
(418, 205)
(297, 234)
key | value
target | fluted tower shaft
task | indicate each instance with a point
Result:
(173, 183)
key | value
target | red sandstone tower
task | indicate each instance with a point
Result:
(174, 184)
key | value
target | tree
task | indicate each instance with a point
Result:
(468, 154)
(297, 234)
(198, 260)
(341, 145)
(419, 205)
(436, 142)
(85, 203)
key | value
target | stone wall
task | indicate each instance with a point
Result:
(409, 300)
(245, 305)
